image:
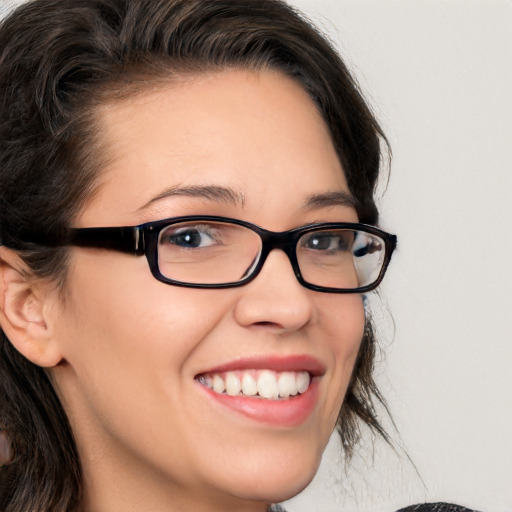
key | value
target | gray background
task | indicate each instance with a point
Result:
(439, 76)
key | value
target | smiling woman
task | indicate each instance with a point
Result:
(187, 228)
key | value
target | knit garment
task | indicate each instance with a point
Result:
(422, 507)
(436, 507)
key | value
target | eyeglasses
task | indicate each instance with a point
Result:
(218, 252)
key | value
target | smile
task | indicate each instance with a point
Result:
(278, 391)
(258, 383)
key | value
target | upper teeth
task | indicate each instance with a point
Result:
(263, 383)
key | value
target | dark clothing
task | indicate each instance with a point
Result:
(422, 507)
(436, 507)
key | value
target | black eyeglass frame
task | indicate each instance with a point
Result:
(143, 240)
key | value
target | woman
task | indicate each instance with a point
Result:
(187, 226)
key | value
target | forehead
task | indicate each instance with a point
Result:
(257, 133)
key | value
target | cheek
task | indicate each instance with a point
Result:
(344, 321)
(124, 331)
(117, 296)
(128, 351)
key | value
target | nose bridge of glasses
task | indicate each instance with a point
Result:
(284, 241)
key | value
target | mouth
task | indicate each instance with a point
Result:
(276, 391)
(257, 383)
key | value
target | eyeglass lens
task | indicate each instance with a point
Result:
(212, 252)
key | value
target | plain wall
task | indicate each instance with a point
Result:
(439, 75)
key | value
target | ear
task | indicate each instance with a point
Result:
(25, 303)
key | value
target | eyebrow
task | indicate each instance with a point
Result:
(225, 194)
(216, 193)
(337, 198)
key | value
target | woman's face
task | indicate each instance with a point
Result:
(247, 145)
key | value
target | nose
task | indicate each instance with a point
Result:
(275, 299)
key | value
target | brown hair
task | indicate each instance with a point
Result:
(59, 60)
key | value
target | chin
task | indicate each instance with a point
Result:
(279, 489)
(277, 480)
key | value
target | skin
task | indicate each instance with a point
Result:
(124, 348)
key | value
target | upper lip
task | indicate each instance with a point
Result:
(277, 363)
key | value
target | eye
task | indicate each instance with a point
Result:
(190, 237)
(331, 241)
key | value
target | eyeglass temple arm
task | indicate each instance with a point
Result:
(123, 239)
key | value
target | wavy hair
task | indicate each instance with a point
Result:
(62, 59)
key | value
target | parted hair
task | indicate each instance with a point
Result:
(60, 60)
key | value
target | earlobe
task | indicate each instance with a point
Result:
(23, 311)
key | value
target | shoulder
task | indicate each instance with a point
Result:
(436, 507)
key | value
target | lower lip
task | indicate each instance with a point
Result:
(289, 412)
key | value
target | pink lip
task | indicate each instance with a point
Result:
(289, 412)
(294, 363)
